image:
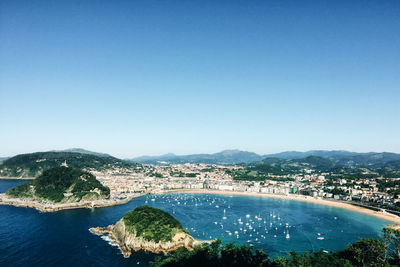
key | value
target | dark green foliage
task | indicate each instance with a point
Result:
(20, 190)
(383, 184)
(152, 224)
(53, 183)
(312, 258)
(336, 191)
(318, 163)
(31, 165)
(366, 252)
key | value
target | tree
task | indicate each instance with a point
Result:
(365, 252)
(392, 245)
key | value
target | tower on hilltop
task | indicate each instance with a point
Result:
(64, 164)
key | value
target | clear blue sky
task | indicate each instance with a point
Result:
(151, 77)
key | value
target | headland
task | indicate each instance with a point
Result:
(149, 229)
(46, 206)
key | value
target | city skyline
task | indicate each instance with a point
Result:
(150, 78)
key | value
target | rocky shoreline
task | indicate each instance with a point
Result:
(51, 207)
(128, 242)
(16, 178)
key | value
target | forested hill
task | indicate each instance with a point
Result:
(62, 184)
(33, 164)
(152, 224)
(278, 166)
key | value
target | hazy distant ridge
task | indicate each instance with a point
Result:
(238, 156)
(223, 157)
(83, 151)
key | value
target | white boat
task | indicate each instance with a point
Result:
(320, 238)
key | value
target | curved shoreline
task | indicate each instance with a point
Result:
(51, 207)
(46, 207)
(332, 203)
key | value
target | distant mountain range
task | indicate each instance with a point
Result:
(223, 157)
(33, 164)
(238, 157)
(331, 154)
(83, 151)
(365, 165)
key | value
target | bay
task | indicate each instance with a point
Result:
(30, 237)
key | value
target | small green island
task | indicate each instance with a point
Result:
(59, 188)
(149, 229)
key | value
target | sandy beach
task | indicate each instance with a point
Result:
(386, 216)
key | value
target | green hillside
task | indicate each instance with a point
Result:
(62, 184)
(270, 167)
(32, 165)
(152, 224)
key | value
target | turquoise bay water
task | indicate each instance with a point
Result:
(30, 237)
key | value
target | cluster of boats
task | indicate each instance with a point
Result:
(228, 224)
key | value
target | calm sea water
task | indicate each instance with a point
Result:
(30, 237)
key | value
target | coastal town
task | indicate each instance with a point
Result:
(309, 183)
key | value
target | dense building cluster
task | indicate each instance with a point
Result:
(159, 178)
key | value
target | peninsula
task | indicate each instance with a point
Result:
(60, 188)
(149, 229)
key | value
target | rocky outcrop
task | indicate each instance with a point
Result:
(128, 241)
